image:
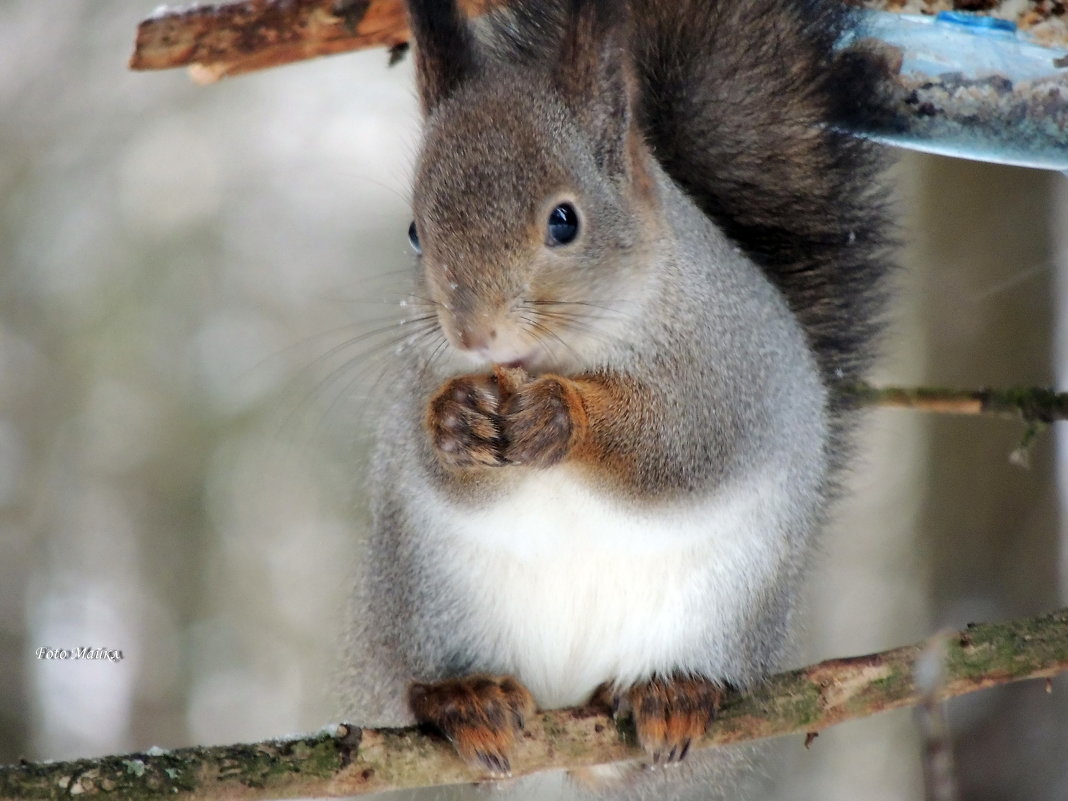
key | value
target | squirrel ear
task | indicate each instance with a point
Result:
(444, 52)
(595, 75)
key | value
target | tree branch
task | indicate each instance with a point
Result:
(219, 40)
(1030, 404)
(352, 761)
(224, 39)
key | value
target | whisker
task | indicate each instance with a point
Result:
(580, 324)
(544, 329)
(543, 346)
(583, 320)
(435, 354)
(415, 341)
(411, 328)
(409, 340)
(365, 336)
(288, 349)
(583, 316)
(585, 303)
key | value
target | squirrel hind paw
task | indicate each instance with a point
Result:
(480, 715)
(670, 713)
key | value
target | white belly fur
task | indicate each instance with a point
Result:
(572, 590)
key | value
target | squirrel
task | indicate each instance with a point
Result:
(647, 254)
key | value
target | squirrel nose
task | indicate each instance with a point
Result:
(477, 339)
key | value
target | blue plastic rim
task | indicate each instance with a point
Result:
(979, 22)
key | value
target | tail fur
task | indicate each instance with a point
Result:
(739, 103)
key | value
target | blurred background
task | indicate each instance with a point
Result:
(197, 292)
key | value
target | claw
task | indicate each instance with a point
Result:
(670, 713)
(496, 764)
(480, 716)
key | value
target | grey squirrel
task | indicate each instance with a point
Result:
(646, 255)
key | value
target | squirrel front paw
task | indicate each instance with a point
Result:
(669, 713)
(464, 423)
(506, 418)
(480, 715)
(541, 422)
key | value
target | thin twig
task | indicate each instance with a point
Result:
(351, 761)
(1030, 404)
(222, 39)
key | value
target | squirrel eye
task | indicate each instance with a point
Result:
(563, 225)
(413, 238)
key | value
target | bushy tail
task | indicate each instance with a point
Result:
(739, 101)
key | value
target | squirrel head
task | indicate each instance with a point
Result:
(533, 202)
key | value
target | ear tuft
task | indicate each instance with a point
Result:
(595, 76)
(444, 49)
